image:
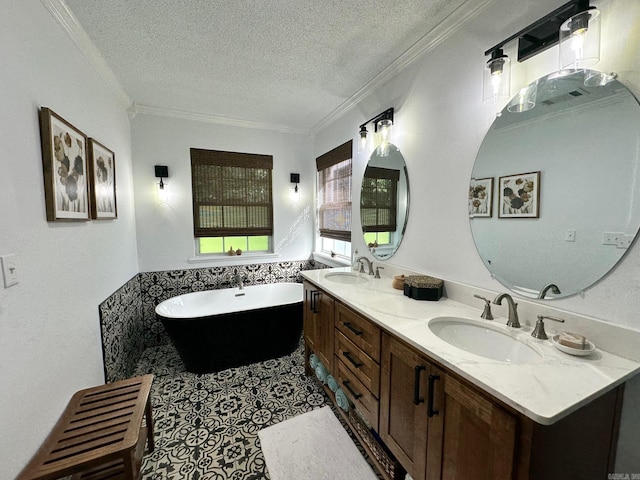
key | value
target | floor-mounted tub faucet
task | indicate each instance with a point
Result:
(239, 281)
(513, 321)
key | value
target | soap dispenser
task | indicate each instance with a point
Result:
(354, 261)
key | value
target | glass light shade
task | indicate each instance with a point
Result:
(384, 128)
(524, 100)
(162, 192)
(580, 40)
(497, 80)
(362, 140)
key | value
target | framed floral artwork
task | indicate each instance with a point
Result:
(64, 164)
(481, 197)
(102, 176)
(520, 196)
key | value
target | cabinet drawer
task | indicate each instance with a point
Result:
(361, 397)
(359, 363)
(363, 333)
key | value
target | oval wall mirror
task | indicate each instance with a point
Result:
(553, 199)
(384, 201)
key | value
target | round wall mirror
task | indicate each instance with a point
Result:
(553, 199)
(384, 201)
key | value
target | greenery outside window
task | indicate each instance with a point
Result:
(232, 201)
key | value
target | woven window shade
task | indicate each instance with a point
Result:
(334, 193)
(231, 193)
(378, 199)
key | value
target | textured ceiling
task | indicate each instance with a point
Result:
(289, 63)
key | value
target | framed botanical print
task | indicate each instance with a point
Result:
(481, 197)
(64, 163)
(102, 181)
(520, 195)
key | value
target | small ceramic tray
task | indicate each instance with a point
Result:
(589, 348)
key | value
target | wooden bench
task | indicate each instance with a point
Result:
(99, 435)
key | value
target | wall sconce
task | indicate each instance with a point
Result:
(575, 25)
(162, 171)
(295, 178)
(382, 123)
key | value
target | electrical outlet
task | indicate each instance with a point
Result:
(612, 238)
(9, 270)
(570, 236)
(625, 241)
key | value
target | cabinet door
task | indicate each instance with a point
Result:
(479, 437)
(403, 405)
(324, 338)
(318, 324)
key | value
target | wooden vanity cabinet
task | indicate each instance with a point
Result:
(438, 425)
(318, 324)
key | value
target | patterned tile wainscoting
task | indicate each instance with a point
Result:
(127, 318)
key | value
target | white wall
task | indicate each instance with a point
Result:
(165, 230)
(50, 338)
(440, 122)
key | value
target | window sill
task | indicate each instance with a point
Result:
(331, 261)
(245, 258)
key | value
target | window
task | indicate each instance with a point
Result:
(378, 204)
(232, 200)
(334, 193)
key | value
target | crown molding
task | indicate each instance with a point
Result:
(450, 25)
(204, 117)
(69, 23)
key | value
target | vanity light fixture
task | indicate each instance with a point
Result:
(382, 124)
(575, 25)
(580, 39)
(497, 77)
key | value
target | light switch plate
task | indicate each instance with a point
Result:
(9, 270)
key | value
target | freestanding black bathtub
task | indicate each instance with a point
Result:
(218, 329)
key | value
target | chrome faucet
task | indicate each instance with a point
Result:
(361, 261)
(239, 281)
(513, 309)
(550, 286)
(539, 332)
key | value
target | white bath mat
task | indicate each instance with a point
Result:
(315, 446)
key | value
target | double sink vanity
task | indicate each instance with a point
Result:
(452, 395)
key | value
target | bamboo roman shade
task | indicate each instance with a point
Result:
(232, 193)
(334, 193)
(378, 199)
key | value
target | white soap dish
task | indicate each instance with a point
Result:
(590, 347)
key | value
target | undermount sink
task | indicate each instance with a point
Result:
(350, 278)
(483, 340)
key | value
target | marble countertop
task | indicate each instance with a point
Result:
(545, 390)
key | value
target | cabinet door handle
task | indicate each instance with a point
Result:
(350, 327)
(350, 358)
(432, 380)
(355, 394)
(417, 399)
(314, 299)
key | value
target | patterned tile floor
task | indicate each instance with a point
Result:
(206, 426)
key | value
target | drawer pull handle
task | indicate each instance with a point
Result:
(350, 358)
(417, 399)
(314, 299)
(430, 411)
(350, 327)
(354, 394)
